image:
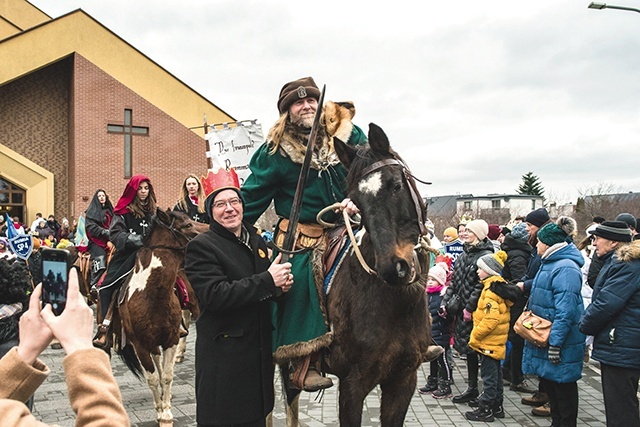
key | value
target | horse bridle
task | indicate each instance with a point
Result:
(174, 232)
(415, 196)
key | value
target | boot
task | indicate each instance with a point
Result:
(483, 413)
(498, 409)
(542, 411)
(430, 386)
(522, 387)
(538, 399)
(313, 381)
(469, 394)
(443, 391)
(433, 352)
(102, 338)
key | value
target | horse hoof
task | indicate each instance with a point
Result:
(165, 423)
(179, 359)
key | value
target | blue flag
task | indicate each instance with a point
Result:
(11, 229)
(81, 239)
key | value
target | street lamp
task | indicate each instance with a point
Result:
(600, 6)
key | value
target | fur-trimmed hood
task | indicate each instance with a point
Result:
(629, 252)
(335, 122)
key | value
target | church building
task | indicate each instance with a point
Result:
(81, 109)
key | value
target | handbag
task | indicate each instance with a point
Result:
(453, 304)
(533, 328)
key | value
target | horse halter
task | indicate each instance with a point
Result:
(408, 177)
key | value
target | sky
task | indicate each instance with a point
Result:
(472, 94)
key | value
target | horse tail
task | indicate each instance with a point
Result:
(128, 356)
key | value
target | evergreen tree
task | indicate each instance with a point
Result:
(531, 185)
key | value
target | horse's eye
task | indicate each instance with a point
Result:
(397, 188)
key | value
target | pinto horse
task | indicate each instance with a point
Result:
(377, 307)
(150, 312)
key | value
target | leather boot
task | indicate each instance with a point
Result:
(468, 395)
(313, 381)
(433, 352)
(101, 339)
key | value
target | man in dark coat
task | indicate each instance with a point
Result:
(232, 276)
(613, 318)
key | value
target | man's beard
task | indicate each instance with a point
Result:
(305, 122)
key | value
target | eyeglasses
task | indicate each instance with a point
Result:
(221, 204)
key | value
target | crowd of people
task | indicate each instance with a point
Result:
(258, 309)
(588, 290)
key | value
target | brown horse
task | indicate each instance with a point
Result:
(150, 312)
(380, 318)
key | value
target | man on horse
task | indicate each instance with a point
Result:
(234, 280)
(301, 328)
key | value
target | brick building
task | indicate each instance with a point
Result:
(81, 109)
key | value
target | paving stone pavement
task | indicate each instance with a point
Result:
(52, 405)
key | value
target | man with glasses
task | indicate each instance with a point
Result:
(234, 281)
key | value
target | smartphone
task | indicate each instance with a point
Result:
(56, 264)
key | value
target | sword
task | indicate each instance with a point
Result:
(289, 243)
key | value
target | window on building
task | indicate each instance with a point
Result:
(533, 204)
(495, 204)
(467, 206)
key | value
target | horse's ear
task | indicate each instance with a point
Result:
(345, 152)
(378, 140)
(162, 215)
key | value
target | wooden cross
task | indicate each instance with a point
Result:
(128, 130)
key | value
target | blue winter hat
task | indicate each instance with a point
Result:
(519, 232)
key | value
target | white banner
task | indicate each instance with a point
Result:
(232, 147)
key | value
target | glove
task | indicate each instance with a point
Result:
(442, 312)
(105, 233)
(467, 315)
(134, 241)
(554, 354)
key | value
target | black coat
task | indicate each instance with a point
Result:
(466, 283)
(440, 327)
(234, 367)
(515, 268)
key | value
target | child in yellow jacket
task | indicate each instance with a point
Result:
(490, 332)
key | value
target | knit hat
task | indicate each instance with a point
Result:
(539, 217)
(617, 231)
(629, 219)
(557, 232)
(438, 274)
(479, 227)
(520, 232)
(451, 232)
(494, 231)
(295, 90)
(493, 263)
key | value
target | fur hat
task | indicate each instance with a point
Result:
(493, 263)
(479, 227)
(295, 90)
(520, 232)
(451, 232)
(629, 219)
(438, 273)
(494, 231)
(617, 231)
(539, 217)
(557, 232)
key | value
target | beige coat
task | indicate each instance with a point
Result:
(93, 392)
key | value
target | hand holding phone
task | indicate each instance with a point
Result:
(55, 278)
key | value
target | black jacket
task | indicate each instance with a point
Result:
(515, 268)
(466, 283)
(234, 367)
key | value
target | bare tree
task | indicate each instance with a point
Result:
(605, 200)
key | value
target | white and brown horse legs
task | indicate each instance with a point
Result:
(160, 384)
(182, 344)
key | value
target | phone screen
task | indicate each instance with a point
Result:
(55, 279)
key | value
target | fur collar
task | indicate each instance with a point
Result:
(629, 252)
